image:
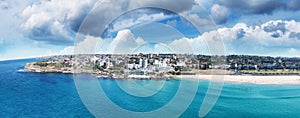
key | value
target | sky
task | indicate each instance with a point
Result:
(35, 28)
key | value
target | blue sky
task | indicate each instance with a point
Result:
(50, 27)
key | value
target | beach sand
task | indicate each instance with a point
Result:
(246, 78)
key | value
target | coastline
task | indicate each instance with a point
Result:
(277, 80)
(245, 79)
(269, 79)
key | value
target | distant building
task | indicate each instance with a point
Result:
(144, 63)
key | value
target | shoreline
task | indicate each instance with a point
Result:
(255, 79)
(245, 79)
(276, 80)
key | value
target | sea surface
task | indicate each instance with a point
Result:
(25, 94)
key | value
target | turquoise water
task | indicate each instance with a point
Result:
(55, 95)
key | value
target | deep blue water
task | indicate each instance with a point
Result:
(55, 95)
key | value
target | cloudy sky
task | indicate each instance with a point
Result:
(50, 27)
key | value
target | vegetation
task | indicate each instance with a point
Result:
(87, 67)
(51, 64)
(99, 68)
(41, 64)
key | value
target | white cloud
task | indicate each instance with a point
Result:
(181, 46)
(195, 18)
(57, 21)
(54, 21)
(243, 39)
(110, 9)
(293, 26)
(292, 50)
(219, 13)
(140, 41)
(89, 45)
(125, 42)
(145, 18)
(4, 5)
(67, 51)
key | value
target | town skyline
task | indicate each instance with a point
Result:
(153, 66)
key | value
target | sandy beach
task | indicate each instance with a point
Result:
(246, 78)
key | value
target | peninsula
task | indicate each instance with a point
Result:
(163, 66)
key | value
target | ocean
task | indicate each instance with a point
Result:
(25, 94)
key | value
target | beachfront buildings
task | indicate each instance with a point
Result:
(164, 63)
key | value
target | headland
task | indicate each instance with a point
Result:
(251, 69)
